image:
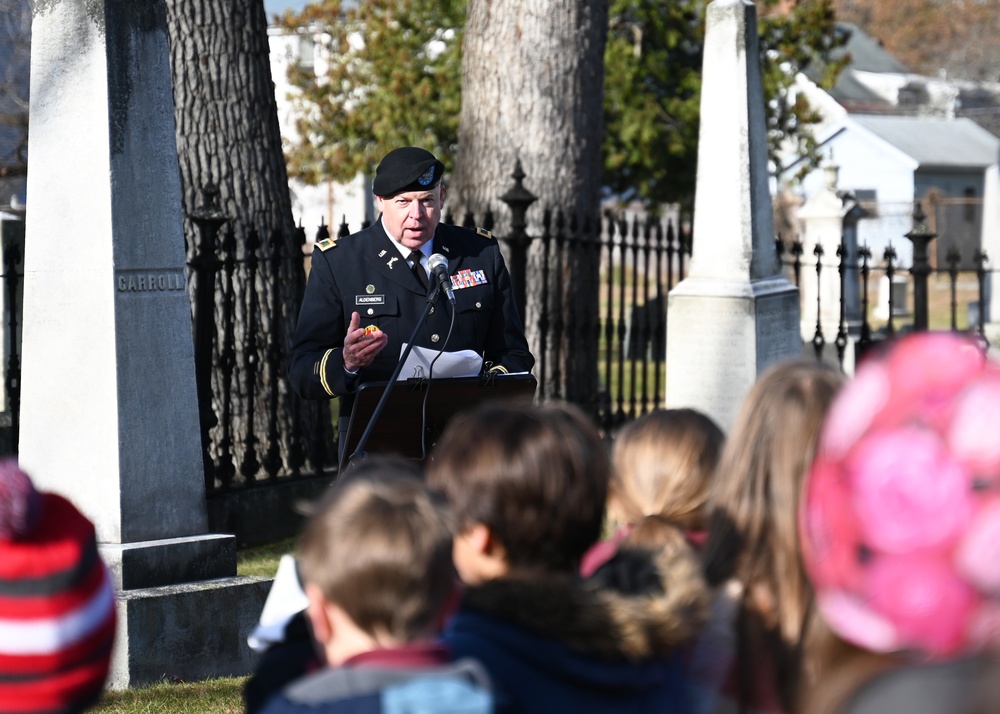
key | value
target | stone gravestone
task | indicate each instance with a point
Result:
(829, 221)
(735, 313)
(109, 413)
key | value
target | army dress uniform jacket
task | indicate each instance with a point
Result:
(365, 273)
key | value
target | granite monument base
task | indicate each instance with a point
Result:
(190, 631)
(721, 335)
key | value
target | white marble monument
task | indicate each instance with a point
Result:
(109, 413)
(735, 314)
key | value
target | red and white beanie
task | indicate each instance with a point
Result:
(57, 606)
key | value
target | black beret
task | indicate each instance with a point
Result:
(408, 168)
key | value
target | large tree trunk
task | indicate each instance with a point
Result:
(228, 136)
(532, 89)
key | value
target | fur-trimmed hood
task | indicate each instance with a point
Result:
(639, 605)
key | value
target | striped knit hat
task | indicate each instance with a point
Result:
(57, 613)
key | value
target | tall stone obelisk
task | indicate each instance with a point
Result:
(735, 313)
(109, 413)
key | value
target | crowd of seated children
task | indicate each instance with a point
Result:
(849, 538)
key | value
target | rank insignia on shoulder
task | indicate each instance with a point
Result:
(326, 244)
(484, 233)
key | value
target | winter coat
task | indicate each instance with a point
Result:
(611, 643)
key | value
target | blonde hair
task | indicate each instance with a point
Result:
(753, 534)
(379, 546)
(663, 467)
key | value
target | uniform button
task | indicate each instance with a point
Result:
(435, 337)
(479, 304)
(432, 310)
(371, 311)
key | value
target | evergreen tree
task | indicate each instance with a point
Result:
(390, 74)
(386, 74)
(653, 80)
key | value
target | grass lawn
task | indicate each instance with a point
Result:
(214, 696)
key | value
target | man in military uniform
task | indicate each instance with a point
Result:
(379, 277)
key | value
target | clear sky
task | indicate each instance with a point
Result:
(277, 6)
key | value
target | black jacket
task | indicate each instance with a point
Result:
(364, 272)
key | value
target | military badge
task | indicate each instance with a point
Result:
(427, 177)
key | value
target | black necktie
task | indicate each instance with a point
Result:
(418, 269)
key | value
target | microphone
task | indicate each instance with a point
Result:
(439, 269)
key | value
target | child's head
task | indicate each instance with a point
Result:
(664, 464)
(901, 519)
(57, 603)
(531, 480)
(378, 548)
(758, 482)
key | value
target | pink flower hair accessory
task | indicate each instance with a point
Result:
(900, 521)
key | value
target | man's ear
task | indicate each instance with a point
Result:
(319, 619)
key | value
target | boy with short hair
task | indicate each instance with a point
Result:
(528, 486)
(376, 567)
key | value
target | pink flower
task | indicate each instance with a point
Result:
(974, 433)
(977, 557)
(854, 409)
(933, 362)
(926, 602)
(830, 534)
(908, 491)
(853, 620)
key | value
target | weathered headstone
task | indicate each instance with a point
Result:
(829, 222)
(109, 412)
(735, 313)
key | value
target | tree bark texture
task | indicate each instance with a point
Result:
(228, 136)
(532, 89)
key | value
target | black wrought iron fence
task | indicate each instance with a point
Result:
(606, 353)
(11, 297)
(245, 298)
(889, 297)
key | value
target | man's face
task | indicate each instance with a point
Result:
(412, 217)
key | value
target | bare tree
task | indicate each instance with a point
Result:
(228, 137)
(532, 90)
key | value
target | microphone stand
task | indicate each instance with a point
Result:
(431, 300)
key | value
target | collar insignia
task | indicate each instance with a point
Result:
(392, 260)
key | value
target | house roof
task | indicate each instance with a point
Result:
(867, 53)
(936, 143)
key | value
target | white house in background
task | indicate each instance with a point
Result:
(887, 162)
(328, 203)
(896, 139)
